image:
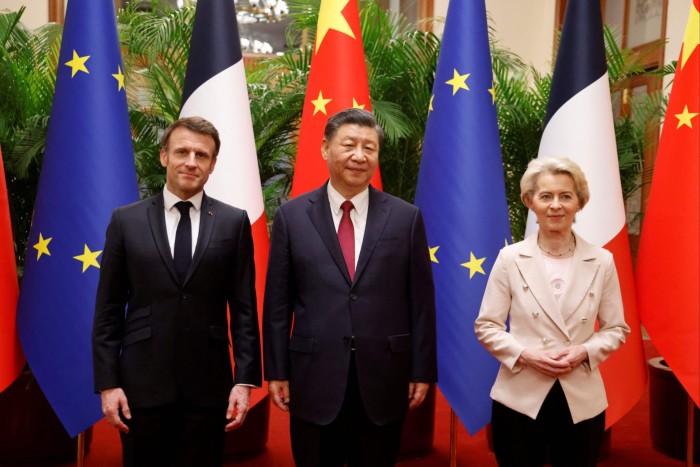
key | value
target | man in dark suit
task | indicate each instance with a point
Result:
(349, 313)
(171, 266)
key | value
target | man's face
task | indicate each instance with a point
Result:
(352, 155)
(188, 160)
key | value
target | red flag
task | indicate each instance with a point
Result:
(579, 124)
(337, 81)
(669, 258)
(11, 356)
(215, 89)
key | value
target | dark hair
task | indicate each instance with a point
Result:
(196, 124)
(353, 116)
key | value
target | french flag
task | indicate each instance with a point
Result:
(579, 125)
(215, 89)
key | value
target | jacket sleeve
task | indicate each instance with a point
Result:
(242, 301)
(422, 306)
(490, 325)
(278, 305)
(613, 329)
(110, 305)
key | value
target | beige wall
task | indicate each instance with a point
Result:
(36, 14)
(527, 28)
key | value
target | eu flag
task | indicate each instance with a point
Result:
(461, 191)
(88, 170)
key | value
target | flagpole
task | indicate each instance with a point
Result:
(453, 438)
(80, 459)
(689, 455)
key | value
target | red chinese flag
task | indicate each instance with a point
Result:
(337, 81)
(11, 356)
(669, 258)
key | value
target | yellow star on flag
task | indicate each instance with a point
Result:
(492, 91)
(320, 103)
(77, 64)
(474, 265)
(430, 105)
(685, 118)
(433, 258)
(119, 77)
(330, 16)
(691, 39)
(355, 105)
(88, 258)
(42, 247)
(458, 82)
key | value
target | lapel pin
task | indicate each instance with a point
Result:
(210, 213)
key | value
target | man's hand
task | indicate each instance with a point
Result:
(112, 400)
(238, 403)
(416, 394)
(279, 391)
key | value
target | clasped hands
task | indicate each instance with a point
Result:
(554, 364)
(114, 400)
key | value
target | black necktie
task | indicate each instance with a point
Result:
(183, 241)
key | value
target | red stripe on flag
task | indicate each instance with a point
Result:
(11, 356)
(624, 373)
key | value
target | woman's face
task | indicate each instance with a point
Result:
(555, 202)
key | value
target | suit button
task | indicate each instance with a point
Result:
(184, 296)
(567, 342)
(353, 296)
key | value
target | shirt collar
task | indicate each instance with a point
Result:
(170, 199)
(360, 201)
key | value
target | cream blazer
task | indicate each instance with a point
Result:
(518, 290)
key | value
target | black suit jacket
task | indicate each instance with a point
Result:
(161, 340)
(389, 308)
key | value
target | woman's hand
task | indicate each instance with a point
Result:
(553, 365)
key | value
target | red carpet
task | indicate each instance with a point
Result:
(630, 444)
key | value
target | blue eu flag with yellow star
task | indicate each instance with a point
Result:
(87, 171)
(461, 192)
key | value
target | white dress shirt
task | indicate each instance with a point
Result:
(172, 216)
(358, 216)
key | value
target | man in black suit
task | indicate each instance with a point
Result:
(349, 313)
(171, 266)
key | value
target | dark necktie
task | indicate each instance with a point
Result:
(346, 237)
(183, 241)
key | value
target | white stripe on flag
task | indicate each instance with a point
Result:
(582, 130)
(223, 100)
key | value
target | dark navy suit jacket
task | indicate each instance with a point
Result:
(313, 311)
(162, 340)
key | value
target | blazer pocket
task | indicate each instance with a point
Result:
(400, 343)
(218, 333)
(136, 336)
(301, 344)
(138, 313)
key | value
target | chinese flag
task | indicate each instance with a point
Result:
(669, 258)
(11, 356)
(337, 81)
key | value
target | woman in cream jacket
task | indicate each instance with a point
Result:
(538, 318)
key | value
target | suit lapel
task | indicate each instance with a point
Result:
(319, 213)
(156, 219)
(583, 272)
(531, 267)
(207, 219)
(377, 217)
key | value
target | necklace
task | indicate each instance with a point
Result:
(573, 245)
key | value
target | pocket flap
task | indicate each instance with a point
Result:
(400, 343)
(138, 313)
(136, 336)
(301, 344)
